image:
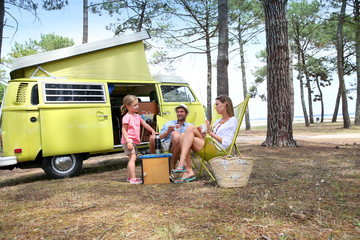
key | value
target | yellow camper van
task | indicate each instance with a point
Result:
(62, 106)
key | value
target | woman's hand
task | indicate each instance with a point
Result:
(203, 134)
(208, 127)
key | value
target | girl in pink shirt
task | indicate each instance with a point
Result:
(131, 133)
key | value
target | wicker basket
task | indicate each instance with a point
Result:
(231, 171)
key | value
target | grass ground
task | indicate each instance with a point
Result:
(308, 192)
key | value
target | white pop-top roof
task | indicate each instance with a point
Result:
(58, 54)
(169, 79)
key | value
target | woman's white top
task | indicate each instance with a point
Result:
(226, 131)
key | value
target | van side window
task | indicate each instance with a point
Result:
(74, 93)
(177, 94)
(35, 95)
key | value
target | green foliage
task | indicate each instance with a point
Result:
(2, 91)
(48, 42)
(51, 41)
(320, 72)
(31, 6)
(21, 50)
(319, 68)
(247, 17)
(261, 55)
(3, 79)
(306, 26)
(260, 75)
(158, 57)
(27, 5)
(54, 4)
(133, 15)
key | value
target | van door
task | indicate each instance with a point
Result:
(75, 117)
(20, 127)
(174, 94)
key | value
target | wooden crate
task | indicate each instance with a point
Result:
(155, 168)
(147, 107)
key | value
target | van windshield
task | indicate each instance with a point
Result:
(177, 94)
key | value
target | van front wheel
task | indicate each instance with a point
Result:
(62, 166)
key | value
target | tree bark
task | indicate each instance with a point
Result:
(223, 59)
(291, 83)
(307, 123)
(85, 22)
(321, 99)
(280, 98)
(357, 47)
(2, 15)
(337, 103)
(308, 84)
(300, 76)
(209, 78)
(340, 65)
(243, 75)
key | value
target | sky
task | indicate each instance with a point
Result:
(68, 23)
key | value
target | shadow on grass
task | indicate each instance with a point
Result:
(88, 168)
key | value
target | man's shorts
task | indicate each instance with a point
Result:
(166, 146)
(129, 152)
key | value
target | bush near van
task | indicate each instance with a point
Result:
(60, 107)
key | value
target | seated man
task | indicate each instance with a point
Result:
(169, 134)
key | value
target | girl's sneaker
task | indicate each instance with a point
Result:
(128, 179)
(135, 181)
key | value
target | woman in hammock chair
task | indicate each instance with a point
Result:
(222, 132)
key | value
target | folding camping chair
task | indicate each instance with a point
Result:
(207, 154)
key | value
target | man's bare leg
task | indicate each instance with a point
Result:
(152, 144)
(175, 149)
(192, 139)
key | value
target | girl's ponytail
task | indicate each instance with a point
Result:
(123, 109)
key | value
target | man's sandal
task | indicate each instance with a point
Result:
(180, 169)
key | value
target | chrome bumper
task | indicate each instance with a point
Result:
(8, 161)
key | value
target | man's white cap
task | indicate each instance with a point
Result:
(182, 106)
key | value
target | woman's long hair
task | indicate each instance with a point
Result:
(229, 105)
(128, 99)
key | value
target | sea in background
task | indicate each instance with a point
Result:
(297, 119)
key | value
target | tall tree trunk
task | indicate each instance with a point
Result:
(85, 22)
(291, 83)
(243, 76)
(142, 16)
(340, 65)
(357, 47)
(223, 59)
(321, 100)
(308, 84)
(337, 103)
(279, 117)
(2, 15)
(209, 78)
(300, 76)
(209, 66)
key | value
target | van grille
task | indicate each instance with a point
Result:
(21, 93)
(74, 93)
